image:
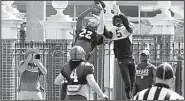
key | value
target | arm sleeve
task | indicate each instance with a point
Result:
(90, 69)
(107, 34)
(40, 73)
(99, 39)
(80, 20)
(62, 70)
(126, 23)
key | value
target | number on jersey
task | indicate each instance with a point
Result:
(74, 76)
(85, 34)
(118, 34)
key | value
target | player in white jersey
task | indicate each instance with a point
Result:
(120, 33)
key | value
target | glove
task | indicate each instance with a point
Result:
(96, 2)
(97, 9)
(105, 97)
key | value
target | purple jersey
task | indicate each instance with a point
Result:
(78, 75)
(88, 39)
(29, 80)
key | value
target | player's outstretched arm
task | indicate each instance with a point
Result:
(59, 79)
(80, 19)
(100, 29)
(126, 23)
(107, 34)
(128, 26)
(95, 86)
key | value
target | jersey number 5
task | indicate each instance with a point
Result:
(74, 76)
(86, 34)
(118, 33)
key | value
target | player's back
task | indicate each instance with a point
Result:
(86, 39)
(77, 83)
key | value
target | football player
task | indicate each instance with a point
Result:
(120, 33)
(78, 73)
(88, 37)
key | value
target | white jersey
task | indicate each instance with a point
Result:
(119, 33)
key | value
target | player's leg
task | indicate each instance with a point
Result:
(125, 76)
(132, 72)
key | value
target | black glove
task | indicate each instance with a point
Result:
(124, 19)
(96, 2)
(106, 98)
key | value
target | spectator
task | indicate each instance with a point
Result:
(162, 89)
(145, 72)
(31, 69)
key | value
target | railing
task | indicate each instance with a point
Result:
(53, 56)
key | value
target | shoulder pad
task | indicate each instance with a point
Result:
(87, 65)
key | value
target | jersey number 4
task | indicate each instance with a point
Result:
(118, 34)
(85, 34)
(74, 76)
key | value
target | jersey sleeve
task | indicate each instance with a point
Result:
(40, 73)
(89, 68)
(124, 20)
(99, 39)
(107, 34)
(62, 69)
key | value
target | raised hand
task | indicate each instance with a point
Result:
(96, 9)
(105, 97)
(115, 9)
(97, 2)
(29, 58)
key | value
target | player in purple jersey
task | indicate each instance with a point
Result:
(88, 37)
(78, 73)
(30, 70)
(120, 33)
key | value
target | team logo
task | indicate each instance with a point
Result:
(32, 67)
(142, 72)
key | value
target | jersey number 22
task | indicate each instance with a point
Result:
(85, 34)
